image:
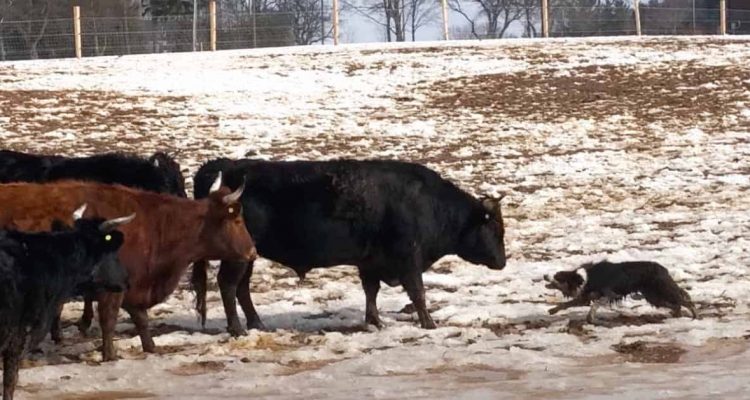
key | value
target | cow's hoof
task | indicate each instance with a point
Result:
(149, 347)
(429, 324)
(57, 338)
(374, 321)
(83, 329)
(236, 331)
(109, 356)
(256, 324)
(408, 309)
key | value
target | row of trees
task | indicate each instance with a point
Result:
(45, 29)
(490, 19)
(309, 17)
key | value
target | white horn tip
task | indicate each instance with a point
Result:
(217, 183)
(78, 214)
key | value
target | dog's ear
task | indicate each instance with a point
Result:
(576, 280)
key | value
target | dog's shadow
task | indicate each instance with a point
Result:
(618, 320)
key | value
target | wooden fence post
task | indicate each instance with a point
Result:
(545, 18)
(444, 5)
(77, 30)
(637, 12)
(212, 23)
(335, 22)
(723, 17)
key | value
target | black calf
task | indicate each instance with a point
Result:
(38, 271)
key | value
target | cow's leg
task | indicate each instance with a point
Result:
(230, 274)
(10, 373)
(412, 283)
(56, 329)
(371, 285)
(576, 302)
(88, 315)
(199, 279)
(11, 361)
(246, 301)
(109, 306)
(140, 319)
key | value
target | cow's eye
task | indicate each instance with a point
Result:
(231, 210)
(108, 238)
(486, 217)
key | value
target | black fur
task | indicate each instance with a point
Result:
(38, 272)
(391, 219)
(117, 168)
(611, 282)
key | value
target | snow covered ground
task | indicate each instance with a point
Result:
(620, 148)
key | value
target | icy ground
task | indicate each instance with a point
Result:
(618, 148)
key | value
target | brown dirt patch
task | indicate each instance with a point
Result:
(578, 328)
(518, 328)
(511, 374)
(100, 120)
(644, 352)
(197, 368)
(411, 50)
(295, 367)
(685, 94)
(107, 395)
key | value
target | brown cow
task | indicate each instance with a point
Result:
(166, 236)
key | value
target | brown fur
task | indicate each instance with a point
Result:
(167, 234)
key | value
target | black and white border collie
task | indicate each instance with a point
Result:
(606, 283)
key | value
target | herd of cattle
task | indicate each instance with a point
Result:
(121, 231)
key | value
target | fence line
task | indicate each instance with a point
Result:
(212, 29)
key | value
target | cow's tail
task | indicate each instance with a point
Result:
(199, 276)
(199, 283)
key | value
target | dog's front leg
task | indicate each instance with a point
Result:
(576, 302)
(591, 317)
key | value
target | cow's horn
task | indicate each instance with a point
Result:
(108, 225)
(78, 214)
(217, 183)
(234, 196)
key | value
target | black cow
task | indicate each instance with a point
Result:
(38, 271)
(159, 173)
(391, 219)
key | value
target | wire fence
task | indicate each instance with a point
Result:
(46, 37)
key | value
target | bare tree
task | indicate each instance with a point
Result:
(531, 14)
(498, 15)
(591, 17)
(397, 17)
(309, 20)
(36, 16)
(420, 13)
